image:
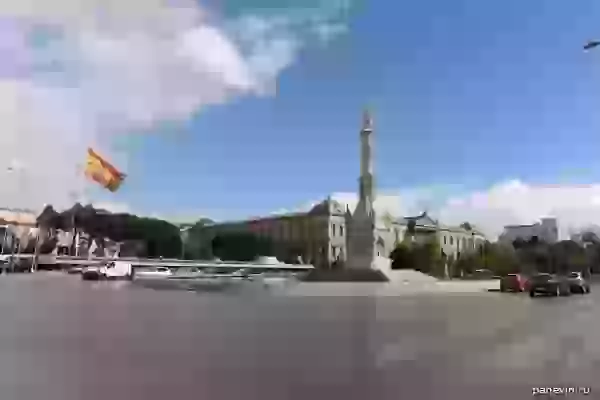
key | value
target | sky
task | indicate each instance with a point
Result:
(483, 111)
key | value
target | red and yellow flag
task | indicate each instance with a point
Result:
(103, 172)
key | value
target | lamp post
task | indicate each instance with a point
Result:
(591, 44)
(184, 233)
(19, 169)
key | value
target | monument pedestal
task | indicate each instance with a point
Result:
(346, 275)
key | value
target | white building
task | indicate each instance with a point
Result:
(546, 231)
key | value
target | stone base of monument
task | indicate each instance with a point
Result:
(346, 275)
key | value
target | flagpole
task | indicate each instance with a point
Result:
(74, 233)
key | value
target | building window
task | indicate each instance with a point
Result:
(341, 230)
(445, 239)
(332, 229)
(451, 240)
(333, 255)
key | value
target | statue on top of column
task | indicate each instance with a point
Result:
(367, 120)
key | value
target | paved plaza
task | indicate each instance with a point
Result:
(63, 338)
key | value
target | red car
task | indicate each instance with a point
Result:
(514, 283)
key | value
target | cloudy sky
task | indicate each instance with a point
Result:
(485, 112)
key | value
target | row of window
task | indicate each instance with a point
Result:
(334, 231)
(471, 242)
(288, 230)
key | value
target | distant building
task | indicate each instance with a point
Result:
(546, 231)
(17, 217)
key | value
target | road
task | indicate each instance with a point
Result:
(62, 338)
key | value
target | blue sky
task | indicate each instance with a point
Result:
(470, 99)
(465, 92)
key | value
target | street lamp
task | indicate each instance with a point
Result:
(591, 44)
(18, 170)
(184, 236)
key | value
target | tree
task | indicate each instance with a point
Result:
(566, 256)
(466, 226)
(592, 252)
(519, 244)
(450, 264)
(499, 258)
(466, 264)
(48, 217)
(402, 257)
(241, 246)
(424, 257)
(428, 258)
(159, 237)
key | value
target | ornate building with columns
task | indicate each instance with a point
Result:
(331, 231)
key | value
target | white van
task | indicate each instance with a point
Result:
(117, 270)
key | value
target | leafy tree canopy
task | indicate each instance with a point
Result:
(160, 237)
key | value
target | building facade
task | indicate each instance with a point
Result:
(318, 236)
(546, 230)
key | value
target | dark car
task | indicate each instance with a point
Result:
(91, 274)
(514, 283)
(548, 284)
(578, 283)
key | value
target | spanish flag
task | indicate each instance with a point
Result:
(103, 172)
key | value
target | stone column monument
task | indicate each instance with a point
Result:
(360, 238)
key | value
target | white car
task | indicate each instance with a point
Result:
(157, 272)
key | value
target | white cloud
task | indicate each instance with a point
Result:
(77, 73)
(516, 202)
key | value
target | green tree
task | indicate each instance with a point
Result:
(428, 258)
(402, 257)
(566, 256)
(499, 258)
(424, 257)
(592, 252)
(240, 246)
(452, 271)
(467, 264)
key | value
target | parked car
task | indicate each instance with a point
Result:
(92, 273)
(548, 284)
(514, 283)
(578, 283)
